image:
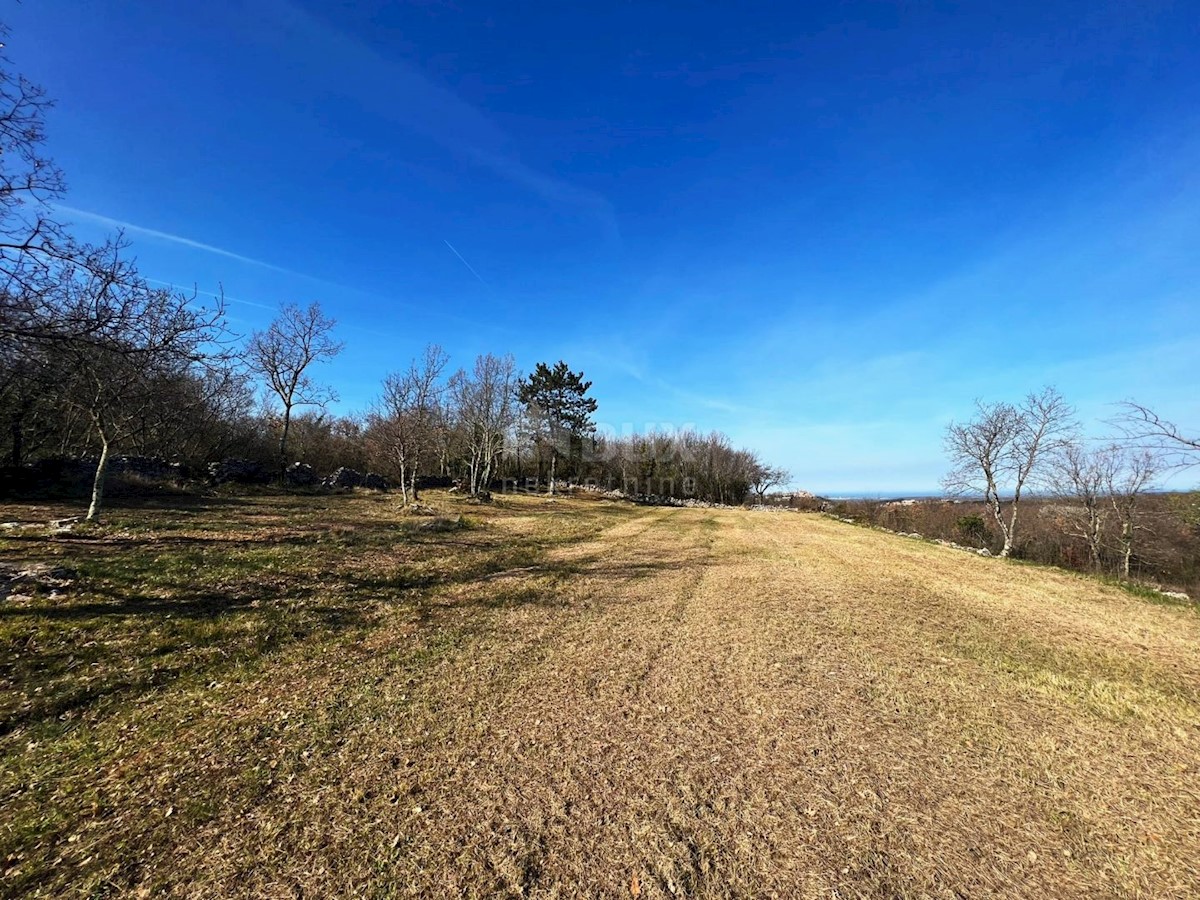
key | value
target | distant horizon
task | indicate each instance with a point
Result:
(942, 495)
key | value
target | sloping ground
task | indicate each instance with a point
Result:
(643, 702)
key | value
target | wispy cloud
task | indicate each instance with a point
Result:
(155, 234)
(402, 93)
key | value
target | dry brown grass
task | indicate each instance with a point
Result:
(585, 698)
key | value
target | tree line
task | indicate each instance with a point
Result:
(96, 361)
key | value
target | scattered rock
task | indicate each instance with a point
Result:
(442, 523)
(150, 467)
(64, 526)
(344, 479)
(237, 471)
(1176, 595)
(40, 578)
(301, 475)
(375, 482)
(419, 509)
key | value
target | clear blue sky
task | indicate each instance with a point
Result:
(822, 228)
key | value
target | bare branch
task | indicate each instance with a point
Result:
(1143, 428)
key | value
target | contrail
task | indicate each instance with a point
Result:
(171, 238)
(184, 288)
(464, 262)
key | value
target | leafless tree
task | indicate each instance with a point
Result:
(27, 387)
(408, 420)
(195, 413)
(119, 372)
(1145, 429)
(31, 241)
(764, 477)
(282, 356)
(1080, 479)
(1002, 448)
(1126, 481)
(484, 402)
(37, 253)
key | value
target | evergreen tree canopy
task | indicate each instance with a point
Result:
(558, 398)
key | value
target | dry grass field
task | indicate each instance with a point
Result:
(318, 697)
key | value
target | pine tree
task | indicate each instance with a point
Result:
(556, 399)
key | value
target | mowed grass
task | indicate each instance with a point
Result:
(315, 696)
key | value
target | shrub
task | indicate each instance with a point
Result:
(972, 530)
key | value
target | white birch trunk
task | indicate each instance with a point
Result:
(93, 512)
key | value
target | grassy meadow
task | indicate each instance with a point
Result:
(320, 695)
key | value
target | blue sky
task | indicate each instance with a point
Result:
(824, 231)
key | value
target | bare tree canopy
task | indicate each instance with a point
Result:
(1096, 485)
(282, 356)
(119, 377)
(1143, 428)
(996, 454)
(40, 262)
(407, 423)
(484, 400)
(1126, 482)
(765, 477)
(1078, 478)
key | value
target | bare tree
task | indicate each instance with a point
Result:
(1001, 449)
(764, 477)
(1145, 429)
(409, 416)
(1080, 480)
(37, 254)
(32, 243)
(484, 402)
(282, 356)
(119, 373)
(1131, 475)
(194, 410)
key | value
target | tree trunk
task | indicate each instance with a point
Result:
(1094, 526)
(485, 473)
(93, 512)
(1127, 544)
(403, 484)
(553, 459)
(992, 496)
(283, 436)
(1010, 531)
(18, 441)
(412, 480)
